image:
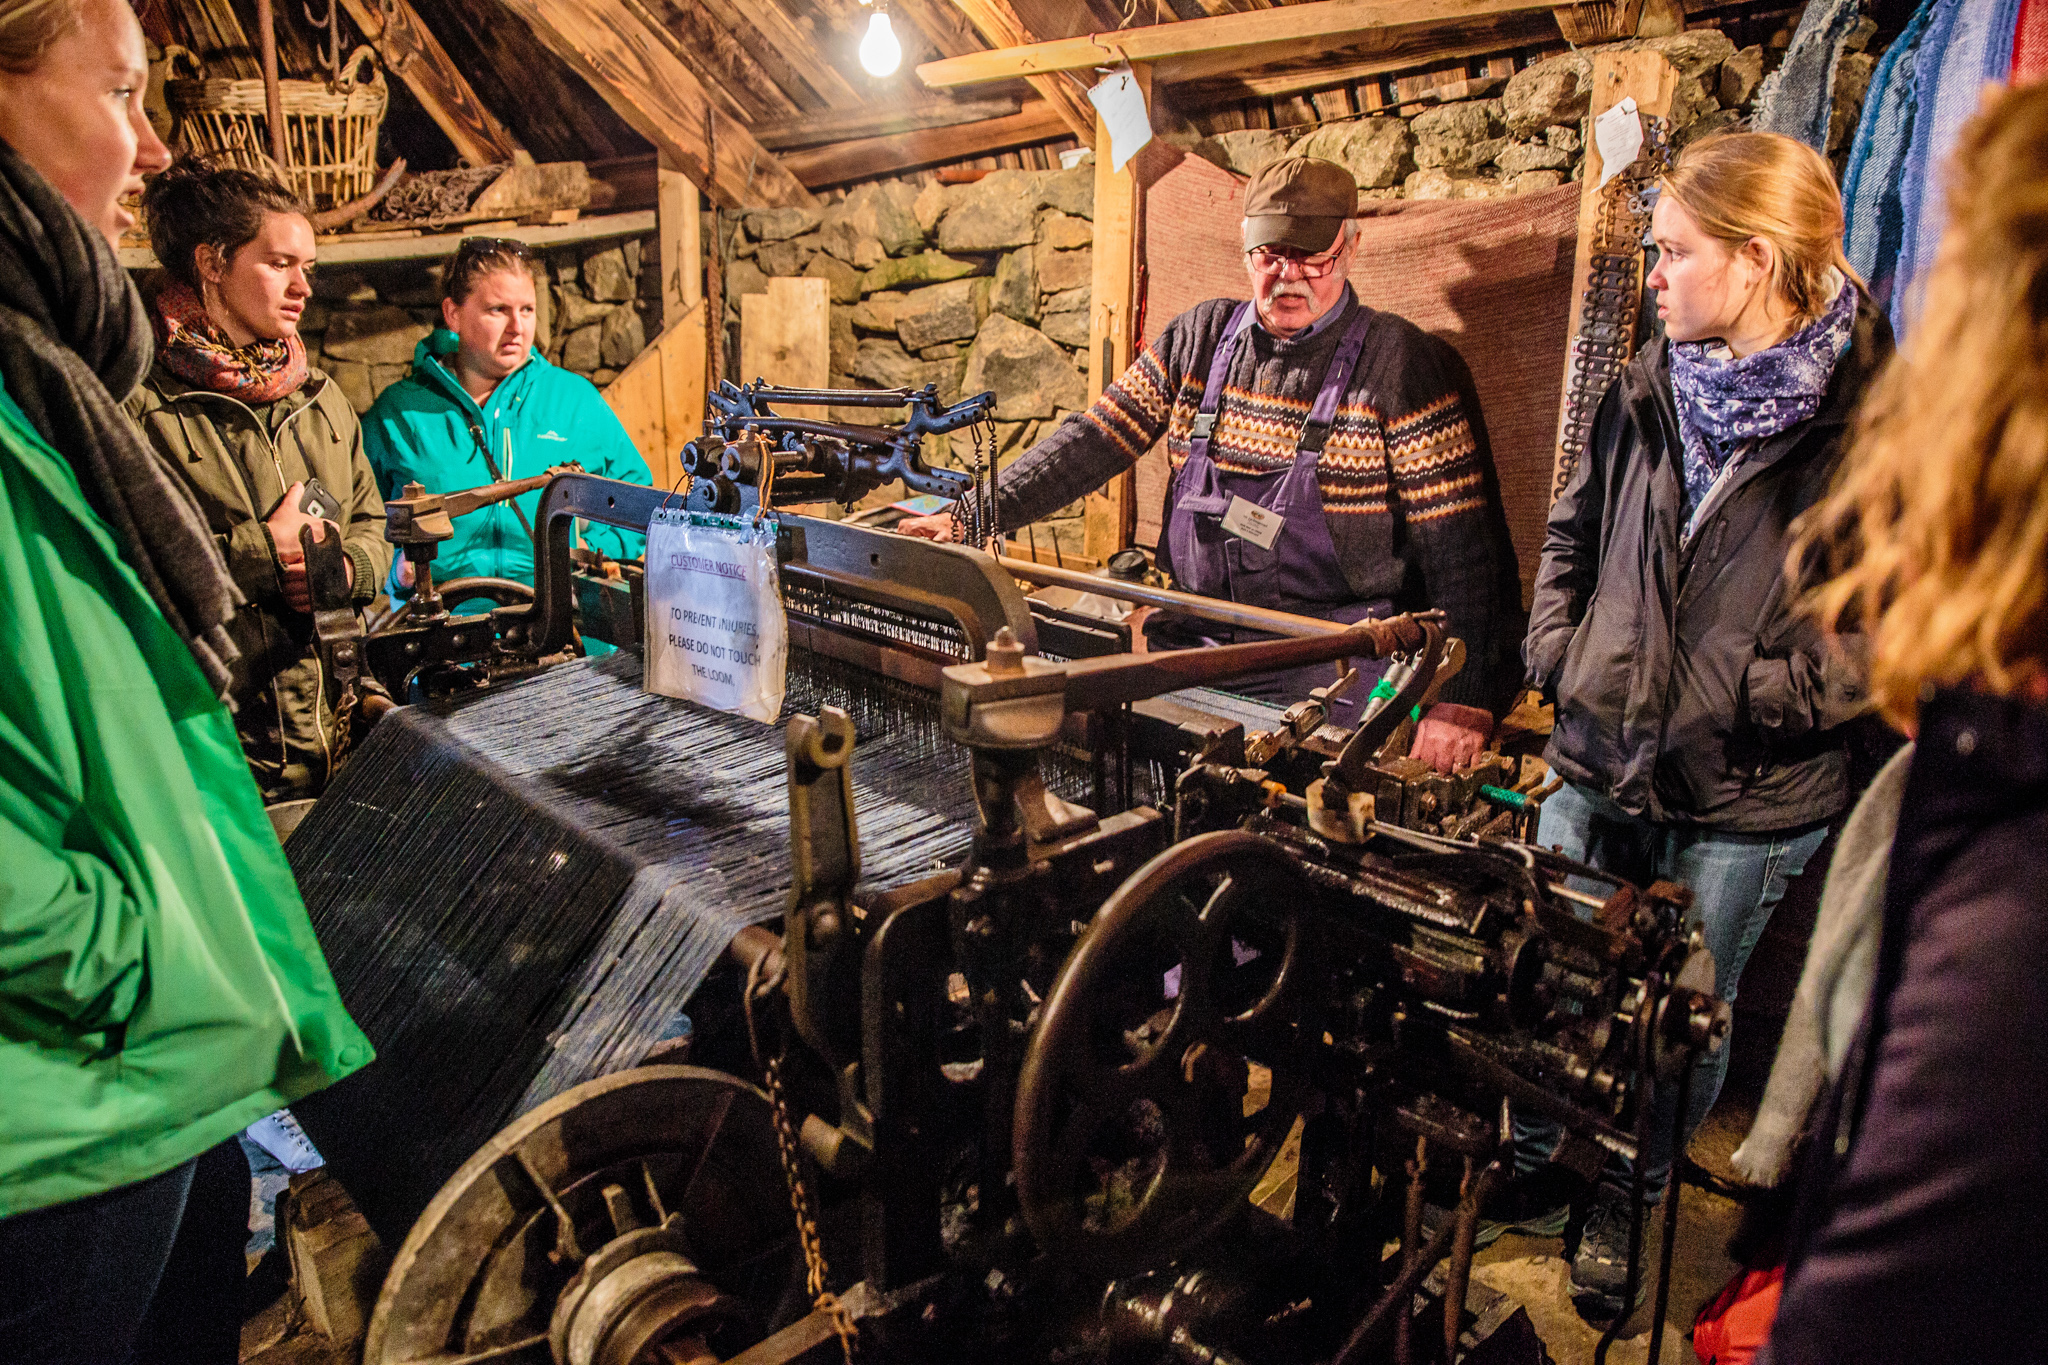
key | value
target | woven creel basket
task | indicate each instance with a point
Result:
(330, 130)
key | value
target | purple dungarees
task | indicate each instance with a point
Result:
(1300, 573)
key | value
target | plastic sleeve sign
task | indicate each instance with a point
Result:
(716, 633)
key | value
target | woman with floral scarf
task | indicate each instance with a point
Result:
(232, 405)
(1700, 714)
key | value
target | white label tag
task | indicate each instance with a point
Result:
(716, 633)
(1618, 134)
(1122, 106)
(1249, 521)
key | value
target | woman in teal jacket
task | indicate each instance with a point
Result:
(481, 405)
(160, 984)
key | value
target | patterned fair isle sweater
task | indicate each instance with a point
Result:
(1406, 477)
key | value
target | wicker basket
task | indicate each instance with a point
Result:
(330, 131)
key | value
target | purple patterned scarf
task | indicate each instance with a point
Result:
(1723, 403)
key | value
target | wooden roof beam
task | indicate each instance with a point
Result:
(812, 130)
(1207, 47)
(1390, 51)
(873, 157)
(637, 75)
(999, 24)
(411, 52)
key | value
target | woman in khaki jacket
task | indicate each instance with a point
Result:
(233, 406)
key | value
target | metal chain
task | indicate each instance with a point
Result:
(1613, 297)
(816, 1270)
(995, 531)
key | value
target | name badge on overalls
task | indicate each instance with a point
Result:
(1249, 521)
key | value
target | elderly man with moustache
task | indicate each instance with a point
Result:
(1328, 459)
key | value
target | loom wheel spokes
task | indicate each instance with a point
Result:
(1167, 1065)
(672, 1169)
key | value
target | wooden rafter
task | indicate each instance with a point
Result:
(873, 157)
(1393, 50)
(999, 24)
(720, 60)
(636, 74)
(412, 53)
(780, 41)
(812, 130)
(1206, 46)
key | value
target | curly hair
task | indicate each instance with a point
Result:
(1742, 185)
(1937, 527)
(198, 202)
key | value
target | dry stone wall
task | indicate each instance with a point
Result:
(599, 305)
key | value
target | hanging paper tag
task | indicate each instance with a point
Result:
(1249, 521)
(1122, 105)
(1618, 134)
(716, 633)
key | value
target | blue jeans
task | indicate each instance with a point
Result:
(1736, 881)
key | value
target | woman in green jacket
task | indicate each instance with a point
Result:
(481, 404)
(232, 405)
(160, 985)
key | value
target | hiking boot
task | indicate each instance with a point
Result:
(1600, 1269)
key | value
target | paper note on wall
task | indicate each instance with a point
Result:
(1122, 105)
(715, 630)
(1618, 134)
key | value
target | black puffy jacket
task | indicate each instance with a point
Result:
(1688, 688)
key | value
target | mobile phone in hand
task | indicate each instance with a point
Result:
(314, 501)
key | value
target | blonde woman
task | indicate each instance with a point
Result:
(1698, 711)
(1926, 1191)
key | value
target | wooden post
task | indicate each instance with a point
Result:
(677, 212)
(273, 98)
(1651, 81)
(1110, 516)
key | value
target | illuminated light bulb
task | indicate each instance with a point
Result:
(880, 53)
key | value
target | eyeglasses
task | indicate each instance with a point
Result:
(1268, 261)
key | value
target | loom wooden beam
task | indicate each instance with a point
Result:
(999, 24)
(412, 53)
(1180, 51)
(812, 130)
(679, 229)
(637, 75)
(869, 158)
(1651, 81)
(1109, 517)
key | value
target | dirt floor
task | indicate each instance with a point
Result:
(1533, 1272)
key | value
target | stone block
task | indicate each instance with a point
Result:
(1740, 76)
(942, 312)
(886, 213)
(1558, 90)
(778, 225)
(380, 335)
(343, 286)
(383, 377)
(1565, 139)
(995, 213)
(1059, 270)
(744, 277)
(603, 378)
(845, 241)
(574, 310)
(584, 349)
(1377, 151)
(841, 279)
(885, 364)
(1528, 182)
(1061, 233)
(353, 379)
(1068, 329)
(1072, 192)
(1853, 72)
(621, 337)
(1030, 376)
(945, 350)
(606, 278)
(1244, 150)
(877, 313)
(1436, 183)
(315, 317)
(632, 250)
(1067, 300)
(1014, 292)
(1518, 157)
(926, 267)
(1457, 137)
(787, 257)
(929, 207)
(842, 340)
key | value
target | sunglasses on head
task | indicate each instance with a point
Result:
(494, 246)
